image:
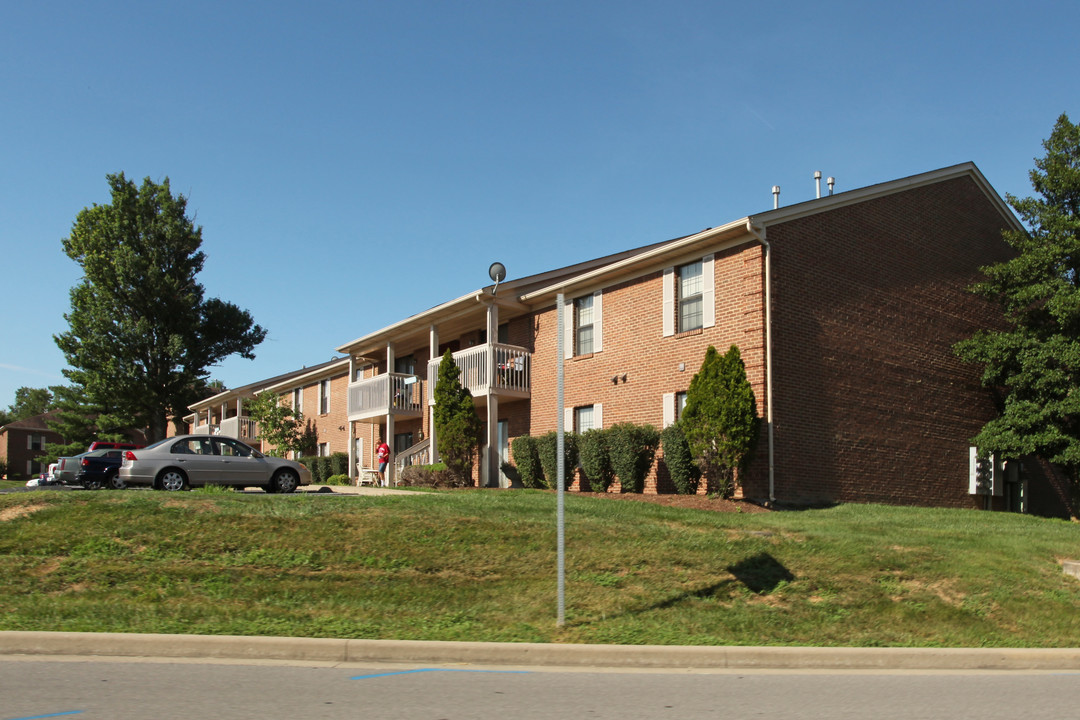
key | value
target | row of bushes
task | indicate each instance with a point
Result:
(324, 467)
(623, 452)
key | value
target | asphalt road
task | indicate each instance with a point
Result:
(92, 689)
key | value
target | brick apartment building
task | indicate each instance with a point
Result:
(22, 443)
(845, 309)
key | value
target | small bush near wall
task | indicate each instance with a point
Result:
(547, 448)
(632, 449)
(680, 463)
(322, 469)
(433, 476)
(339, 463)
(595, 459)
(337, 479)
(527, 461)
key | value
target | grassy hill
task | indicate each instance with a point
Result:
(480, 565)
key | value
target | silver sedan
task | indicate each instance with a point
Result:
(185, 461)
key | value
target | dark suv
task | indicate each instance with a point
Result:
(100, 468)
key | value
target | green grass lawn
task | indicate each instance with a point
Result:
(480, 565)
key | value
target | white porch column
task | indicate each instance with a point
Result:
(433, 353)
(389, 438)
(492, 459)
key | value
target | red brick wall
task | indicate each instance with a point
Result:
(870, 403)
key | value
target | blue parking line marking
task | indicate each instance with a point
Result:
(427, 670)
(39, 717)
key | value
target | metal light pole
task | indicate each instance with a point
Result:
(559, 455)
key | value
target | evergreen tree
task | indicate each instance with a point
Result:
(1033, 361)
(457, 426)
(720, 419)
(141, 335)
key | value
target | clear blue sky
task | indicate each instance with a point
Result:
(353, 163)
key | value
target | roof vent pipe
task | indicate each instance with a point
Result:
(831, 181)
(775, 196)
(817, 181)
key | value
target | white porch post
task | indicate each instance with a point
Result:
(492, 459)
(354, 473)
(433, 353)
(389, 437)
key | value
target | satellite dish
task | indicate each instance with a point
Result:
(497, 272)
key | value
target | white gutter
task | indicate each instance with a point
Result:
(759, 234)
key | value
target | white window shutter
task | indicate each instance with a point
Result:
(568, 329)
(29, 441)
(708, 292)
(669, 301)
(568, 419)
(669, 409)
(598, 416)
(598, 321)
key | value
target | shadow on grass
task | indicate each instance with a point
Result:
(760, 573)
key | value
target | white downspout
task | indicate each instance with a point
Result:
(759, 234)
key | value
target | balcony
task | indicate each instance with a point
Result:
(241, 428)
(512, 371)
(395, 394)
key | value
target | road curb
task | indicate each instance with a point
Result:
(533, 654)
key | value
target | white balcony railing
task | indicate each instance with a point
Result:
(512, 370)
(397, 393)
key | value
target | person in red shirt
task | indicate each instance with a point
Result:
(382, 456)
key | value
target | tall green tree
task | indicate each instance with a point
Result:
(141, 333)
(1033, 360)
(720, 420)
(30, 402)
(457, 426)
(279, 424)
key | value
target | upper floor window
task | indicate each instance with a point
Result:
(583, 325)
(35, 441)
(298, 399)
(689, 299)
(324, 397)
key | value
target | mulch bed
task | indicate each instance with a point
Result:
(690, 502)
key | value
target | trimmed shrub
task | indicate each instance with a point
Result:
(680, 463)
(547, 447)
(337, 479)
(339, 463)
(595, 459)
(433, 476)
(632, 449)
(309, 462)
(321, 470)
(527, 461)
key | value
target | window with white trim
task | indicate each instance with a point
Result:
(298, 399)
(674, 404)
(585, 417)
(324, 449)
(583, 325)
(324, 397)
(688, 296)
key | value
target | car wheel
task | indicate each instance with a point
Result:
(113, 482)
(285, 481)
(172, 480)
(92, 484)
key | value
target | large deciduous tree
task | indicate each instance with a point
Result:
(1033, 360)
(141, 334)
(720, 419)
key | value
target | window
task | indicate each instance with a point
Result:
(689, 289)
(35, 441)
(583, 325)
(689, 299)
(583, 418)
(324, 397)
(298, 399)
(680, 405)
(674, 404)
(324, 449)
(402, 442)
